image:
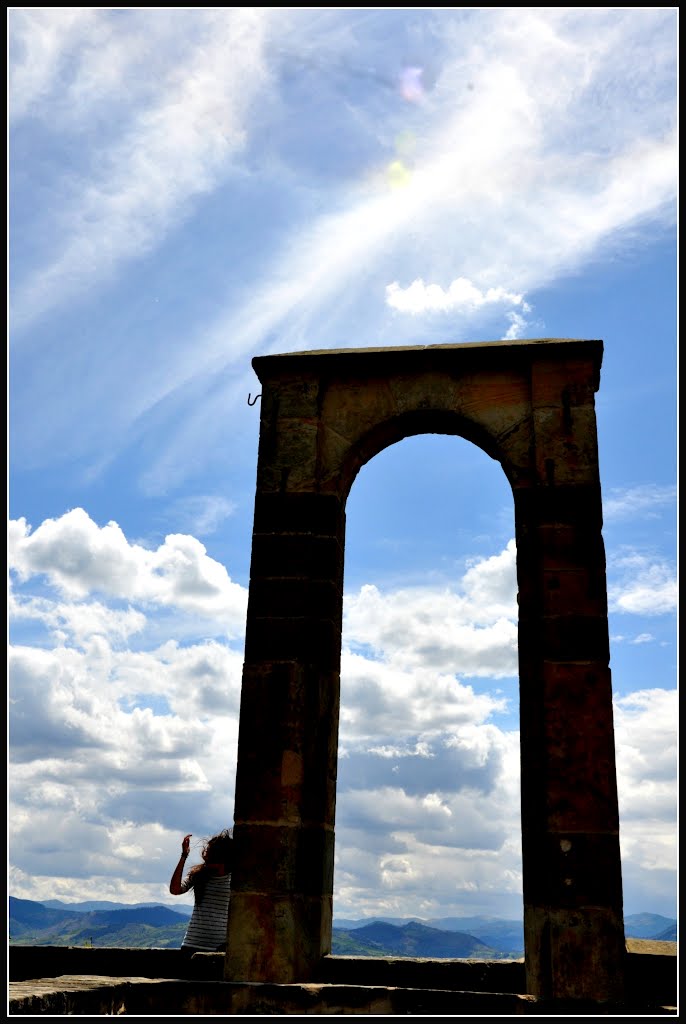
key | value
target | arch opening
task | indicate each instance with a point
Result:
(427, 806)
(416, 423)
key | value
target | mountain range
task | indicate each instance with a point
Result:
(153, 925)
(143, 927)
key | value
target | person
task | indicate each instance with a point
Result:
(211, 885)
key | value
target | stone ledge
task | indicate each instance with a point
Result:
(111, 980)
(76, 995)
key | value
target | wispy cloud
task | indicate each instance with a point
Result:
(641, 585)
(647, 501)
(513, 180)
(41, 40)
(145, 178)
(201, 514)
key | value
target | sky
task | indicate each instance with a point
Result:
(191, 188)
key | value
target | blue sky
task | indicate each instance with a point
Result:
(191, 188)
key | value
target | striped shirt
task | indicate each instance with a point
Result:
(209, 920)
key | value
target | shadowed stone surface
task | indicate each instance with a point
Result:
(109, 981)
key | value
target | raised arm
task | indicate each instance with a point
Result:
(176, 879)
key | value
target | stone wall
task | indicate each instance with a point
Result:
(49, 980)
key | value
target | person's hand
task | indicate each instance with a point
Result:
(186, 844)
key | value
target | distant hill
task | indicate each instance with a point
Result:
(179, 908)
(501, 934)
(413, 939)
(505, 938)
(668, 935)
(157, 926)
(153, 925)
(649, 926)
(34, 924)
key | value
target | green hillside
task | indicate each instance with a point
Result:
(413, 940)
(32, 924)
(153, 926)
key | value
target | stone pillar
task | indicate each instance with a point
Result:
(573, 915)
(281, 903)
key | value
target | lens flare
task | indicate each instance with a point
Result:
(411, 88)
(398, 174)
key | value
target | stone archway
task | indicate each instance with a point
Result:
(530, 406)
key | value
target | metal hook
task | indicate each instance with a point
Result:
(254, 399)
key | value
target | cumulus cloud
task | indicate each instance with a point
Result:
(460, 296)
(116, 750)
(77, 621)
(646, 752)
(68, 699)
(472, 632)
(95, 765)
(538, 142)
(437, 846)
(79, 557)
(428, 848)
(119, 752)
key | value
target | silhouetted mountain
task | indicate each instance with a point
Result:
(348, 923)
(647, 926)
(412, 939)
(153, 925)
(668, 935)
(503, 935)
(495, 933)
(507, 936)
(179, 908)
(143, 927)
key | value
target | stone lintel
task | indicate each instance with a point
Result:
(481, 354)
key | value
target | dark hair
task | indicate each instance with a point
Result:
(217, 850)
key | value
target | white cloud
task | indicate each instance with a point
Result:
(639, 585)
(646, 752)
(79, 558)
(76, 621)
(461, 296)
(522, 213)
(519, 179)
(40, 40)
(517, 328)
(439, 848)
(92, 760)
(538, 141)
(468, 631)
(645, 501)
(446, 848)
(119, 752)
(68, 698)
(174, 149)
(202, 514)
